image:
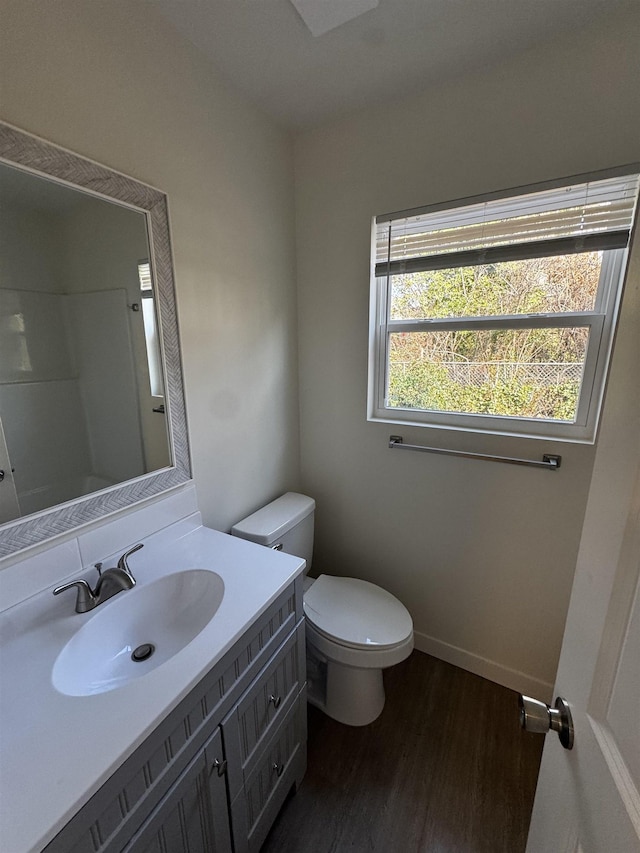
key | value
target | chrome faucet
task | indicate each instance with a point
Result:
(110, 582)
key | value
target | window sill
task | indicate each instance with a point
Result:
(485, 425)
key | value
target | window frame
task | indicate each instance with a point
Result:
(601, 322)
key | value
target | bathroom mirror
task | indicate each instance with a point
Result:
(92, 415)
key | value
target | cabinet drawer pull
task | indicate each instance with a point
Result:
(220, 766)
(275, 700)
(279, 768)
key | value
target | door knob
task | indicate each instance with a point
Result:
(220, 766)
(538, 717)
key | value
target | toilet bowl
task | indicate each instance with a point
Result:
(354, 629)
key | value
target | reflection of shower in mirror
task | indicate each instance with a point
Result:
(76, 396)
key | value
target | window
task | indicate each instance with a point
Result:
(152, 340)
(498, 315)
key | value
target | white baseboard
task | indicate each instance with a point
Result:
(511, 678)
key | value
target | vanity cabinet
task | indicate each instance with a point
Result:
(214, 773)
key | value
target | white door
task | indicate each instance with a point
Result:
(9, 508)
(588, 799)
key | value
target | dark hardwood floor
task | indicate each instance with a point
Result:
(444, 769)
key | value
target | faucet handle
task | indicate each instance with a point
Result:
(85, 600)
(122, 562)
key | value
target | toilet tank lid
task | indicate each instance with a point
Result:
(275, 519)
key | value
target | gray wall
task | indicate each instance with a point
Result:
(483, 554)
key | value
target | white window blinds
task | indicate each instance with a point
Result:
(582, 217)
(144, 276)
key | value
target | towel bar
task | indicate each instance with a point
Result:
(552, 463)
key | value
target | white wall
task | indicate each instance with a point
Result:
(114, 82)
(483, 554)
(29, 250)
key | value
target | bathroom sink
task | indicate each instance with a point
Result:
(137, 631)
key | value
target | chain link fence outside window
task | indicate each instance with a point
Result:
(479, 373)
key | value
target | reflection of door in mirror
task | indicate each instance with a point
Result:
(151, 386)
(75, 397)
(8, 497)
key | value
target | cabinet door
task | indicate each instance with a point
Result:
(192, 817)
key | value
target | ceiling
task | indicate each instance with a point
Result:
(396, 49)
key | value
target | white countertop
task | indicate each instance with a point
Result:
(56, 750)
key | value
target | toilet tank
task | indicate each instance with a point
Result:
(287, 521)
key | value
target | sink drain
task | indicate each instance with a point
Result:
(143, 652)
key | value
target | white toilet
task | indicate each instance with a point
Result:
(354, 629)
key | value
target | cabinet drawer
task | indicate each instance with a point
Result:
(282, 764)
(247, 729)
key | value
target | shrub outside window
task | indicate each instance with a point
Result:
(498, 315)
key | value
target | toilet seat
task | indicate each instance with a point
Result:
(357, 614)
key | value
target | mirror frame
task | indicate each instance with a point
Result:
(35, 155)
